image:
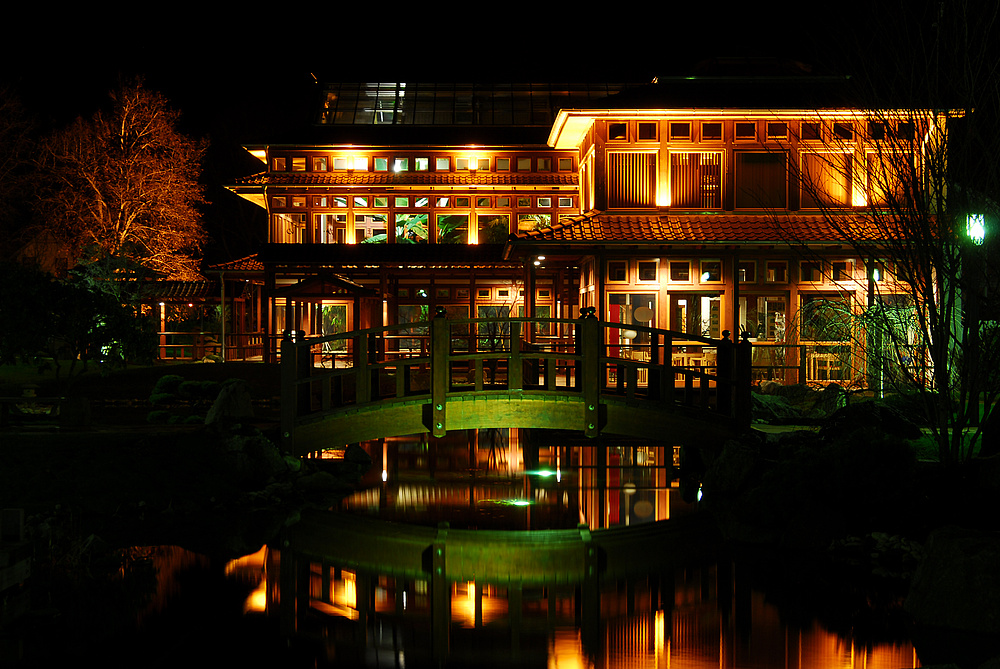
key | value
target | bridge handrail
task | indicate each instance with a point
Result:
(586, 351)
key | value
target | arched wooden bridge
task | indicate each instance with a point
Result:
(455, 374)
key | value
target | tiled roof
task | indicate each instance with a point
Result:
(247, 264)
(180, 290)
(409, 179)
(708, 228)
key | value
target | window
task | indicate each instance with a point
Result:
(400, 201)
(524, 202)
(529, 222)
(905, 130)
(279, 202)
(371, 228)
(680, 130)
(421, 201)
(462, 201)
(711, 271)
(776, 271)
(544, 202)
(359, 163)
(544, 164)
(340, 201)
(494, 228)
(360, 201)
(746, 131)
(453, 229)
(484, 202)
(401, 165)
(680, 270)
(381, 201)
(441, 202)
(503, 164)
(565, 164)
(330, 228)
(631, 180)
(319, 164)
(321, 201)
(876, 130)
(843, 130)
(442, 164)
(747, 271)
(288, 228)
(647, 131)
(825, 317)
(760, 180)
(763, 316)
(411, 228)
(711, 131)
(381, 164)
(298, 201)
(618, 131)
(484, 164)
(278, 164)
(565, 202)
(826, 180)
(341, 163)
(777, 130)
(524, 164)
(421, 164)
(648, 271)
(810, 132)
(696, 180)
(696, 313)
(630, 309)
(843, 270)
(299, 164)
(618, 271)
(461, 164)
(810, 271)
(889, 174)
(503, 201)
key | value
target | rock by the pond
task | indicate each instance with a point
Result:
(233, 405)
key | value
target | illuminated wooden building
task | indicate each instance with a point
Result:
(696, 205)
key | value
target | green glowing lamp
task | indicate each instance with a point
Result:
(975, 228)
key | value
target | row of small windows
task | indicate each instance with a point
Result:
(754, 131)
(419, 164)
(440, 202)
(710, 271)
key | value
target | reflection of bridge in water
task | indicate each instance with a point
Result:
(480, 373)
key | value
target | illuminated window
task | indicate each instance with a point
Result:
(825, 317)
(462, 201)
(298, 201)
(360, 201)
(617, 131)
(747, 271)
(484, 202)
(340, 201)
(421, 201)
(453, 229)
(631, 180)
(761, 180)
(826, 180)
(888, 175)
(544, 202)
(319, 164)
(777, 130)
(680, 130)
(381, 164)
(400, 201)
(810, 271)
(330, 228)
(746, 131)
(503, 164)
(842, 270)
(461, 164)
(565, 202)
(711, 131)
(371, 227)
(321, 201)
(711, 271)
(340, 163)
(647, 131)
(442, 164)
(381, 201)
(696, 180)
(544, 164)
(411, 228)
(524, 164)
(524, 202)
(843, 130)
(278, 164)
(503, 201)
(441, 202)
(361, 163)
(493, 228)
(401, 165)
(810, 132)
(484, 164)
(680, 270)
(647, 271)
(776, 271)
(528, 222)
(618, 271)
(299, 164)
(565, 164)
(279, 202)
(421, 164)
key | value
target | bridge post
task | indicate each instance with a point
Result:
(440, 372)
(590, 375)
(294, 397)
(742, 377)
(725, 361)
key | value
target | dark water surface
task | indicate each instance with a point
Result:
(284, 607)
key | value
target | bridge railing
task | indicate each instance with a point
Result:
(445, 358)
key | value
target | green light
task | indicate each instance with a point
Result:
(975, 228)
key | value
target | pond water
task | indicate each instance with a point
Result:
(316, 598)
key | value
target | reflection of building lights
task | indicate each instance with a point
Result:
(699, 493)
(628, 488)
(385, 476)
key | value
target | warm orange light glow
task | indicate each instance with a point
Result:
(348, 591)
(257, 601)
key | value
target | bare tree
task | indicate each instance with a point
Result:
(911, 181)
(125, 183)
